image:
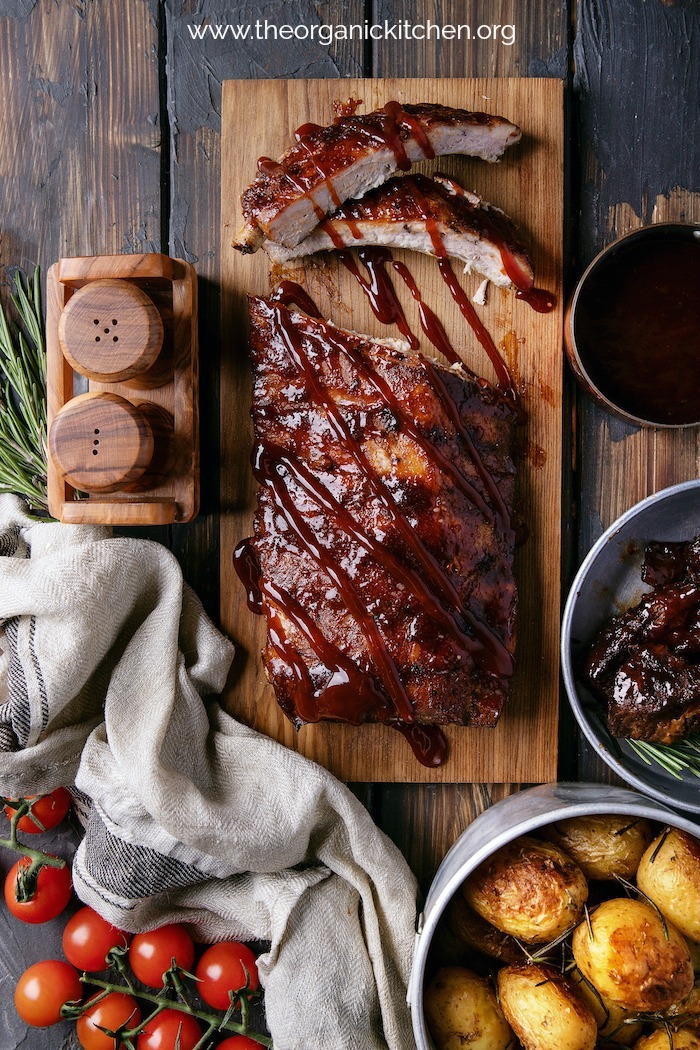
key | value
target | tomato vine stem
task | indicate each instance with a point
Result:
(215, 1023)
(26, 883)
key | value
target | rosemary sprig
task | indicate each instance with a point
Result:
(675, 759)
(23, 394)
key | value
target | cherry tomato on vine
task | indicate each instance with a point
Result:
(151, 954)
(51, 895)
(221, 970)
(88, 937)
(116, 1010)
(239, 1042)
(163, 1032)
(47, 812)
(43, 989)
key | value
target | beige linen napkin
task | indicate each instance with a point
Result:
(107, 656)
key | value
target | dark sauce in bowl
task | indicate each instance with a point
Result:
(636, 325)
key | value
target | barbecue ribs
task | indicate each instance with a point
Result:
(645, 663)
(383, 545)
(329, 165)
(431, 215)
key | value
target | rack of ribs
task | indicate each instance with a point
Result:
(382, 555)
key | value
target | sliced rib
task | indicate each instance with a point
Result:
(330, 165)
(431, 215)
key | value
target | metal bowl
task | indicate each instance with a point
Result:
(608, 582)
(517, 815)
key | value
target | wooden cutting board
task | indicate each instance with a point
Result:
(259, 118)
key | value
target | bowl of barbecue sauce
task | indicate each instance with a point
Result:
(632, 326)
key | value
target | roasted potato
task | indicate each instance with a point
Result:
(464, 923)
(544, 1010)
(610, 1017)
(694, 949)
(669, 874)
(603, 846)
(684, 1039)
(631, 956)
(687, 1012)
(462, 1012)
(529, 889)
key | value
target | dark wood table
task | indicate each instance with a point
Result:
(110, 142)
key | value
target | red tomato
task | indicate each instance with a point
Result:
(163, 1032)
(52, 893)
(239, 1042)
(47, 812)
(88, 937)
(151, 954)
(43, 989)
(116, 1010)
(221, 970)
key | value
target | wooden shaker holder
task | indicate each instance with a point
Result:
(126, 452)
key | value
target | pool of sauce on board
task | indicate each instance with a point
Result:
(637, 328)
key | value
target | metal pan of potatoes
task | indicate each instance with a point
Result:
(567, 917)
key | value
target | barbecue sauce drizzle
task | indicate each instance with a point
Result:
(387, 308)
(495, 657)
(353, 692)
(288, 292)
(347, 682)
(431, 324)
(385, 304)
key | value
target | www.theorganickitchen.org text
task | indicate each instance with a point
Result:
(327, 34)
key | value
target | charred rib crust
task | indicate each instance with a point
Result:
(475, 554)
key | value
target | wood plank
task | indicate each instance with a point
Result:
(424, 820)
(523, 746)
(538, 32)
(79, 135)
(194, 71)
(656, 177)
(79, 175)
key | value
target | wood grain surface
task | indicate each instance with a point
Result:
(105, 347)
(528, 183)
(79, 175)
(638, 161)
(110, 135)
